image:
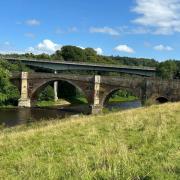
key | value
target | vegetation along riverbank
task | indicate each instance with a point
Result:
(134, 144)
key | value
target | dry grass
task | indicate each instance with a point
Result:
(134, 144)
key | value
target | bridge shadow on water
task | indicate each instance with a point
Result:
(19, 116)
(117, 100)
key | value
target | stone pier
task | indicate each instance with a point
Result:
(55, 89)
(96, 107)
(24, 101)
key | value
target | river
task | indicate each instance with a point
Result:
(10, 117)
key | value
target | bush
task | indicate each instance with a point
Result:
(9, 94)
(47, 94)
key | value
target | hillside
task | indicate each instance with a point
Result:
(134, 144)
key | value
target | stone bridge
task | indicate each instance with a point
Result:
(97, 89)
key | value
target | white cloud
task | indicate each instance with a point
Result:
(124, 48)
(46, 46)
(59, 31)
(161, 15)
(32, 22)
(72, 29)
(140, 30)
(104, 30)
(29, 35)
(163, 48)
(11, 52)
(81, 47)
(99, 51)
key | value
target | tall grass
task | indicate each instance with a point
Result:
(133, 144)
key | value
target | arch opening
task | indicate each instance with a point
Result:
(68, 94)
(121, 98)
(161, 100)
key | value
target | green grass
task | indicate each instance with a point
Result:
(122, 99)
(75, 101)
(82, 100)
(52, 103)
(7, 107)
(134, 144)
(45, 103)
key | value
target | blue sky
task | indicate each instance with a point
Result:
(134, 28)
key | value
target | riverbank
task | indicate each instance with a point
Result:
(134, 144)
(82, 100)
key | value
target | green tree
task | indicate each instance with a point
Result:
(73, 53)
(47, 94)
(57, 55)
(167, 69)
(9, 94)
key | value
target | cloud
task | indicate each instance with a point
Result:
(46, 46)
(163, 48)
(104, 30)
(124, 48)
(72, 29)
(67, 30)
(32, 22)
(59, 31)
(11, 52)
(161, 15)
(81, 47)
(99, 51)
(29, 35)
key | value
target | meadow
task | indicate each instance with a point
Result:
(134, 144)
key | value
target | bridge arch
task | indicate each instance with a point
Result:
(108, 94)
(40, 86)
(161, 99)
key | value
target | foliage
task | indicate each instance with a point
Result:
(121, 93)
(135, 144)
(135, 61)
(72, 53)
(57, 55)
(9, 94)
(47, 94)
(167, 69)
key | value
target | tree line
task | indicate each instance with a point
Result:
(169, 69)
(9, 94)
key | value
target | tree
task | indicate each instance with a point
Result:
(167, 69)
(57, 55)
(73, 53)
(47, 94)
(9, 94)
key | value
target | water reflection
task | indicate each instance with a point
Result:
(124, 105)
(18, 116)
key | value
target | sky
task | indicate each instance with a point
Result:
(134, 28)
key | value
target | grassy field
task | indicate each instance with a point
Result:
(139, 144)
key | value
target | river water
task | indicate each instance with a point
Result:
(17, 116)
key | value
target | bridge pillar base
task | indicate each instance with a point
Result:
(96, 109)
(24, 103)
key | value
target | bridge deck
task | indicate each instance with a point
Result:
(62, 65)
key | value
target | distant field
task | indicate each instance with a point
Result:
(134, 144)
